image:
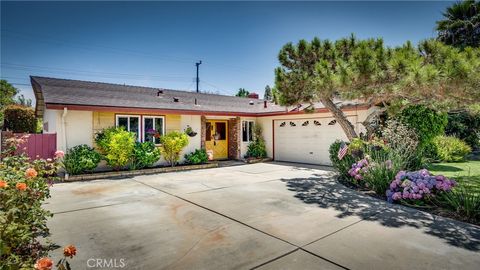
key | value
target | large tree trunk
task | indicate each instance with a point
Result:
(340, 117)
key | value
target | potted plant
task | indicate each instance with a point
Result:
(189, 131)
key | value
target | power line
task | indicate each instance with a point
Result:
(95, 73)
(53, 40)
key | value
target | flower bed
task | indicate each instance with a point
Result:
(379, 170)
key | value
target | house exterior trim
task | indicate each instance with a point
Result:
(133, 110)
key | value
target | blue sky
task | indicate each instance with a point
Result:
(157, 43)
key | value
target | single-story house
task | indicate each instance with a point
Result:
(77, 110)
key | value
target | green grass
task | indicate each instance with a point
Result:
(460, 169)
(465, 198)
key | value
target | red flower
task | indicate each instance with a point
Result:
(3, 184)
(43, 264)
(31, 173)
(70, 251)
(21, 186)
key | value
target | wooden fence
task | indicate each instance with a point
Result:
(35, 145)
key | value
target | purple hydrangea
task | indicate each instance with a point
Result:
(417, 185)
(358, 169)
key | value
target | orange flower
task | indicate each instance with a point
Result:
(3, 184)
(43, 264)
(31, 173)
(21, 186)
(70, 251)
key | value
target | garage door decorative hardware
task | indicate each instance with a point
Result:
(292, 124)
(282, 124)
(333, 122)
(316, 123)
(305, 123)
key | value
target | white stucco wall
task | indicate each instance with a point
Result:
(194, 122)
(78, 127)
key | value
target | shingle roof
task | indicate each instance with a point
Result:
(86, 93)
(74, 92)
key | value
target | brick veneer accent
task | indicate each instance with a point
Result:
(234, 138)
(203, 126)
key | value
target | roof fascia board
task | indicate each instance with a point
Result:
(55, 106)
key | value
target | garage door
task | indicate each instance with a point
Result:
(306, 140)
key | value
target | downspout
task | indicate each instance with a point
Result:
(65, 111)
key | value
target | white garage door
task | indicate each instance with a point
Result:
(306, 140)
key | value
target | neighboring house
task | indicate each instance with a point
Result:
(77, 110)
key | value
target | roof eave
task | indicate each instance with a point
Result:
(39, 100)
(57, 106)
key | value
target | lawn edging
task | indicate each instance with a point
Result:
(122, 174)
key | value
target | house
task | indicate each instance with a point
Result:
(77, 110)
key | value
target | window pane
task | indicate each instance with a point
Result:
(158, 129)
(123, 122)
(148, 130)
(244, 131)
(250, 131)
(221, 131)
(208, 131)
(134, 125)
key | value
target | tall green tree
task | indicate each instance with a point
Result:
(242, 93)
(460, 26)
(348, 68)
(7, 94)
(268, 93)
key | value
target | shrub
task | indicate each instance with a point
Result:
(144, 155)
(117, 146)
(343, 165)
(199, 156)
(172, 144)
(404, 142)
(415, 186)
(24, 186)
(464, 199)
(464, 125)
(427, 122)
(382, 168)
(256, 148)
(20, 119)
(81, 159)
(451, 149)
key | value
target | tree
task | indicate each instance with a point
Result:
(20, 119)
(460, 26)
(368, 70)
(7, 92)
(242, 93)
(22, 101)
(268, 93)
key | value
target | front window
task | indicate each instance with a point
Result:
(130, 123)
(153, 128)
(247, 131)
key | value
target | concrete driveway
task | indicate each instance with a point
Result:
(265, 216)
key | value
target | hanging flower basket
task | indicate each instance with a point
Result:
(189, 131)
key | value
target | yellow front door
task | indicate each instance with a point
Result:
(216, 139)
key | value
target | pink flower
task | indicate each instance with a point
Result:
(59, 154)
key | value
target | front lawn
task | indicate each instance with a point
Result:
(461, 169)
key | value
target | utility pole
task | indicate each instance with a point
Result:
(198, 79)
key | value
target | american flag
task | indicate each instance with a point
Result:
(342, 151)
